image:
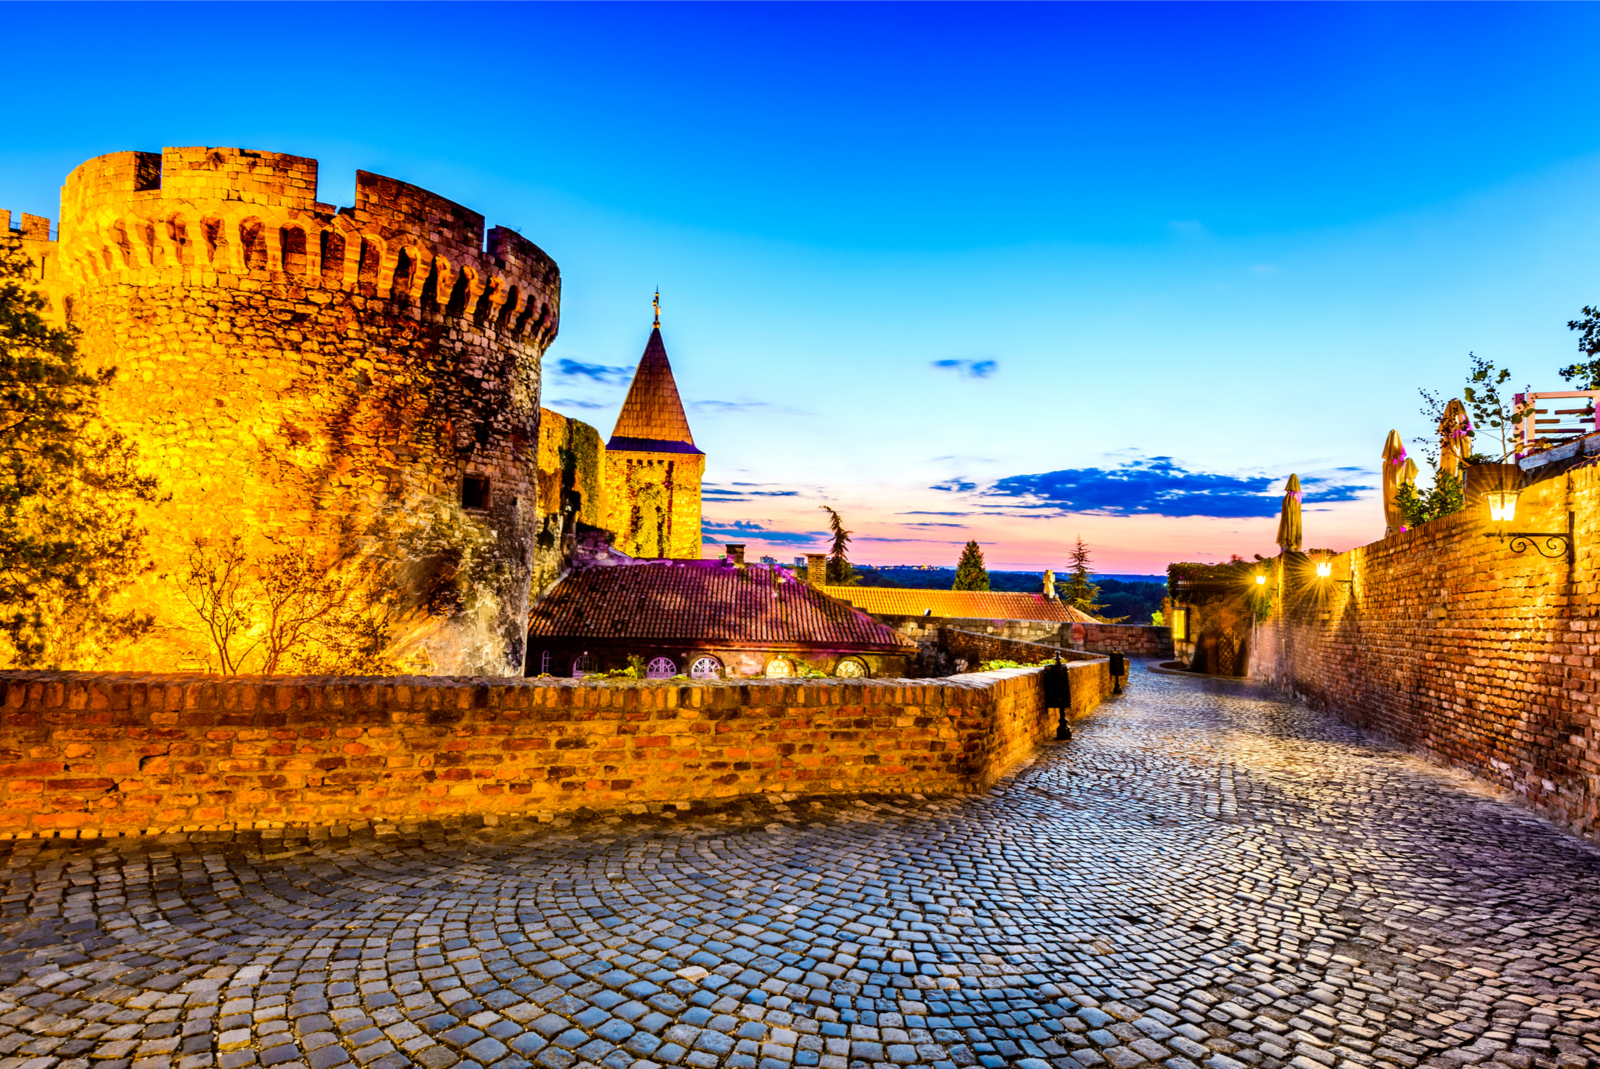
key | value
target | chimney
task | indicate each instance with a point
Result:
(735, 553)
(1050, 586)
(817, 569)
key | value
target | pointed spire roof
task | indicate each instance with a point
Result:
(652, 419)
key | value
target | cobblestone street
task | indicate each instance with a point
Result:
(1204, 875)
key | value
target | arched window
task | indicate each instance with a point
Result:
(404, 268)
(459, 294)
(216, 240)
(583, 666)
(367, 272)
(660, 668)
(850, 668)
(119, 237)
(428, 300)
(544, 663)
(253, 241)
(146, 232)
(506, 309)
(705, 668)
(780, 668)
(332, 256)
(294, 250)
(178, 234)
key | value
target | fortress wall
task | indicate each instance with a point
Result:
(571, 474)
(126, 754)
(1442, 640)
(655, 496)
(315, 376)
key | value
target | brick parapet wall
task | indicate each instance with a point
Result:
(1136, 640)
(1089, 674)
(120, 754)
(1449, 644)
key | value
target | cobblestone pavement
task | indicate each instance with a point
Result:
(1205, 875)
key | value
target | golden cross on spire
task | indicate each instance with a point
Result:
(657, 303)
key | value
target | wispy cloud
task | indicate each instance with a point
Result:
(722, 493)
(885, 538)
(601, 373)
(923, 513)
(956, 485)
(573, 402)
(969, 369)
(731, 408)
(960, 526)
(757, 532)
(1157, 486)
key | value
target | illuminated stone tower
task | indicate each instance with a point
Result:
(314, 378)
(653, 469)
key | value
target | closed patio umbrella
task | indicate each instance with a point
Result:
(1289, 518)
(1394, 460)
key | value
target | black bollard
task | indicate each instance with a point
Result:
(1058, 696)
(1119, 669)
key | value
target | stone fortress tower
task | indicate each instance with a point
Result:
(301, 374)
(652, 467)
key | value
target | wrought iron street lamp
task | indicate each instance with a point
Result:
(1550, 544)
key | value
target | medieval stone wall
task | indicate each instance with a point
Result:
(1089, 674)
(106, 754)
(1444, 641)
(318, 378)
(571, 474)
(653, 502)
(1135, 640)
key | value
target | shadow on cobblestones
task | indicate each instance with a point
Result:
(1205, 875)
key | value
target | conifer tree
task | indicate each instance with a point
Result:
(1078, 591)
(840, 572)
(69, 493)
(970, 572)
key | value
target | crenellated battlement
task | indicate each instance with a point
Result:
(232, 217)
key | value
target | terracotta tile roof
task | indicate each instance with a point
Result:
(707, 602)
(652, 419)
(970, 604)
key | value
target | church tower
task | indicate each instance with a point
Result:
(653, 469)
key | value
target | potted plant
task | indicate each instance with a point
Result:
(1486, 473)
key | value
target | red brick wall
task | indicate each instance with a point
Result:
(103, 753)
(1136, 640)
(1450, 645)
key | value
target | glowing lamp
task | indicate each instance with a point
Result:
(1324, 569)
(1502, 505)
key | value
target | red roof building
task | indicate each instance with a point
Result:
(961, 604)
(704, 619)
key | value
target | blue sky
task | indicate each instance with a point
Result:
(1016, 273)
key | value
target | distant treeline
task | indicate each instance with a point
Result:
(1119, 597)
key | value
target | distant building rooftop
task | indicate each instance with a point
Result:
(964, 604)
(706, 602)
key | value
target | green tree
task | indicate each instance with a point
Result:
(970, 572)
(70, 491)
(1443, 498)
(840, 572)
(1585, 375)
(1482, 397)
(1078, 591)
